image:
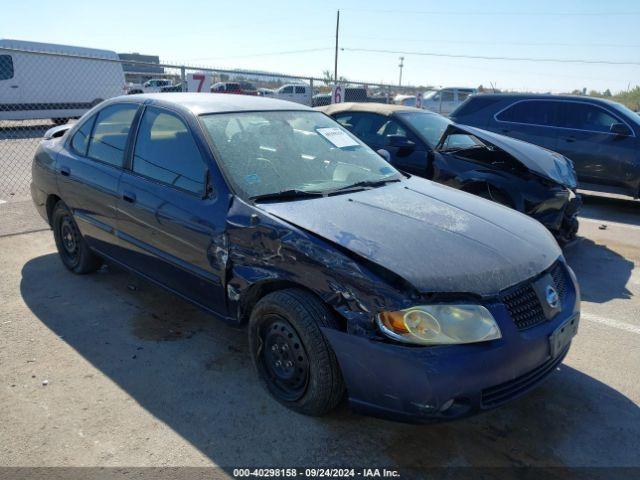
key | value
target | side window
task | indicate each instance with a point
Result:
(110, 133)
(582, 116)
(6, 67)
(80, 140)
(301, 90)
(368, 128)
(447, 96)
(463, 95)
(392, 127)
(534, 112)
(288, 89)
(166, 151)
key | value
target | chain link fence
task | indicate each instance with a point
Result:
(43, 88)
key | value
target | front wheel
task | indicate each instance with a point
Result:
(291, 355)
(72, 248)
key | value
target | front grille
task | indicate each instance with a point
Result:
(494, 396)
(523, 303)
(559, 280)
(524, 307)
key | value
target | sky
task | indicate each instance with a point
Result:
(297, 37)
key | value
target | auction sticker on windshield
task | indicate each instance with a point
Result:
(337, 137)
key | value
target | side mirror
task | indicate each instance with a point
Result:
(400, 141)
(620, 129)
(384, 154)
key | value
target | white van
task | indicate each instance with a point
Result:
(294, 92)
(50, 85)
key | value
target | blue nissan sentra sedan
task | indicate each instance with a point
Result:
(416, 301)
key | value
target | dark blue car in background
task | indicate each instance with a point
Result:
(600, 136)
(419, 301)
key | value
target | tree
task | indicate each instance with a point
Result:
(327, 78)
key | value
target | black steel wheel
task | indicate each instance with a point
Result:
(284, 358)
(72, 248)
(293, 358)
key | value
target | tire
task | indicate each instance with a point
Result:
(285, 327)
(72, 248)
(60, 121)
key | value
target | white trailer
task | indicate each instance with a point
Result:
(44, 80)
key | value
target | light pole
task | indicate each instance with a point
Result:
(335, 64)
(401, 65)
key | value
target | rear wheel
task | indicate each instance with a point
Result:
(292, 357)
(60, 121)
(72, 248)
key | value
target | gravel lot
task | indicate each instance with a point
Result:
(107, 370)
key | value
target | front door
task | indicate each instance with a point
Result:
(172, 228)
(599, 155)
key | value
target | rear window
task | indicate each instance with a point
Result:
(6, 67)
(473, 105)
(532, 112)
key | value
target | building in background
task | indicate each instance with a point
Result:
(140, 73)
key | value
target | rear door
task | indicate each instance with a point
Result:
(447, 102)
(172, 227)
(599, 156)
(89, 170)
(534, 121)
(301, 94)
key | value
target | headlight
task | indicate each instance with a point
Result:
(440, 324)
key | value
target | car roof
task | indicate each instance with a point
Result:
(545, 96)
(379, 108)
(203, 103)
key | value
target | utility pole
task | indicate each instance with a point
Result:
(335, 65)
(401, 65)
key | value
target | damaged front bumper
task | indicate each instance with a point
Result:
(559, 213)
(425, 384)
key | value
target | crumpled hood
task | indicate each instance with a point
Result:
(437, 238)
(538, 159)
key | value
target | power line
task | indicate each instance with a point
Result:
(262, 54)
(482, 42)
(486, 57)
(494, 14)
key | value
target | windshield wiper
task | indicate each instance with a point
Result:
(364, 184)
(286, 195)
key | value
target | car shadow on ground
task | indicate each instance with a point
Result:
(610, 209)
(194, 374)
(602, 273)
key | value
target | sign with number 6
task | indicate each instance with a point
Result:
(337, 94)
(198, 82)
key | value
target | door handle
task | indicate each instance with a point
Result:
(14, 86)
(65, 171)
(129, 197)
(570, 139)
